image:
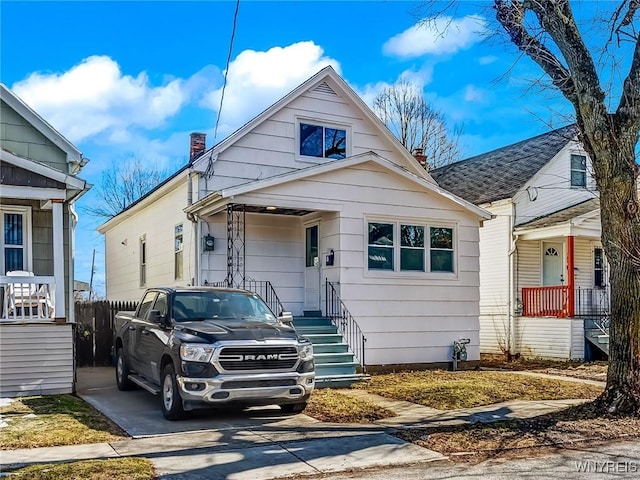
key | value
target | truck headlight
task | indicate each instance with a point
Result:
(305, 352)
(196, 352)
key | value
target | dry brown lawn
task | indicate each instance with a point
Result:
(52, 420)
(111, 469)
(330, 406)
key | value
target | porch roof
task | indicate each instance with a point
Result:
(71, 183)
(568, 221)
(217, 200)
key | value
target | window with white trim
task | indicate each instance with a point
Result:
(14, 240)
(322, 141)
(178, 247)
(143, 260)
(578, 171)
(410, 251)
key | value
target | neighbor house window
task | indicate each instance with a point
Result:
(178, 247)
(143, 261)
(15, 231)
(578, 171)
(417, 248)
(323, 142)
(598, 267)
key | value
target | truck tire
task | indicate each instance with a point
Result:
(122, 372)
(170, 395)
(293, 407)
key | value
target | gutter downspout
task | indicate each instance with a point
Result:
(196, 227)
(510, 283)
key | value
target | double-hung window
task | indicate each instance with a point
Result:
(578, 171)
(14, 240)
(178, 247)
(322, 141)
(410, 247)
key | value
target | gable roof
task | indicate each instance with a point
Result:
(499, 174)
(318, 82)
(221, 197)
(73, 154)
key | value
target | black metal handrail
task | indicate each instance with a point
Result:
(264, 288)
(592, 302)
(346, 324)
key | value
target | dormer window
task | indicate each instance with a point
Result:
(578, 171)
(322, 141)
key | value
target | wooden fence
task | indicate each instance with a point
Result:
(94, 331)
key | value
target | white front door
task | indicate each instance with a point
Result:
(552, 263)
(312, 268)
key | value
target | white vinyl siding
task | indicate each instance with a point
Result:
(495, 240)
(550, 189)
(554, 338)
(36, 359)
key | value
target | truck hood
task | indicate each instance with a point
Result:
(212, 331)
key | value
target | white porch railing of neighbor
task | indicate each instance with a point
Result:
(27, 298)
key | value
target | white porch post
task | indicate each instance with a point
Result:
(58, 259)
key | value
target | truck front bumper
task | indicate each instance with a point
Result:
(253, 389)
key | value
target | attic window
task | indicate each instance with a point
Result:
(578, 171)
(323, 142)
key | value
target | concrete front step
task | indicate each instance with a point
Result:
(324, 338)
(308, 321)
(338, 368)
(316, 329)
(329, 358)
(330, 348)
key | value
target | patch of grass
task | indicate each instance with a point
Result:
(573, 425)
(452, 390)
(499, 361)
(330, 406)
(52, 420)
(111, 469)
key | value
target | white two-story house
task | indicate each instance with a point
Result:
(543, 275)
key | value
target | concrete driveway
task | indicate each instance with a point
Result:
(139, 414)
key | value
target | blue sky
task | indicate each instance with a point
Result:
(133, 79)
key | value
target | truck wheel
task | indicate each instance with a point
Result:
(171, 401)
(293, 407)
(122, 372)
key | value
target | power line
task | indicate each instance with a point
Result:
(226, 70)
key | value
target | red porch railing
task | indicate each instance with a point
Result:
(546, 301)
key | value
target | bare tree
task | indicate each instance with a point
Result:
(418, 126)
(122, 185)
(608, 117)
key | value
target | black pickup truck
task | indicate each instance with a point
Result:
(201, 346)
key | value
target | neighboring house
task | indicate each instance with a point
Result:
(316, 197)
(38, 187)
(543, 275)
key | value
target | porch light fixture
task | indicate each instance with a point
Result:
(271, 208)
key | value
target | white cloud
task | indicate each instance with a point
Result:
(419, 78)
(487, 60)
(473, 94)
(442, 35)
(95, 97)
(257, 79)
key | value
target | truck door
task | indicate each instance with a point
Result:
(135, 330)
(153, 338)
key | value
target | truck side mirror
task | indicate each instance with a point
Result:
(286, 317)
(155, 317)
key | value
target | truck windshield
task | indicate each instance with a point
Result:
(222, 305)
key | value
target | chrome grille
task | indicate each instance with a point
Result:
(258, 358)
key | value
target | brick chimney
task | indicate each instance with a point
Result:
(197, 145)
(418, 154)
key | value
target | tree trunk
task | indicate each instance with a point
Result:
(616, 171)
